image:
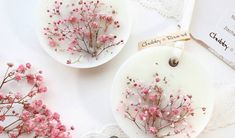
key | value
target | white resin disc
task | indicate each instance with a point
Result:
(189, 77)
(123, 33)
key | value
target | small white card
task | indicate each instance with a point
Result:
(213, 25)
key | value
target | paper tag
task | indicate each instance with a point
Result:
(161, 40)
(226, 30)
(216, 28)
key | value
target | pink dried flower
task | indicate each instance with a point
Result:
(1, 129)
(94, 25)
(152, 130)
(28, 65)
(143, 116)
(109, 19)
(18, 77)
(87, 34)
(157, 79)
(68, 62)
(152, 110)
(105, 39)
(18, 95)
(30, 78)
(13, 134)
(10, 65)
(152, 98)
(2, 118)
(175, 111)
(21, 69)
(72, 19)
(39, 78)
(37, 103)
(1, 95)
(72, 128)
(52, 43)
(159, 113)
(56, 116)
(42, 89)
(145, 91)
(189, 96)
(25, 115)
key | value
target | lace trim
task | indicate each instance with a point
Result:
(224, 112)
(167, 8)
(110, 131)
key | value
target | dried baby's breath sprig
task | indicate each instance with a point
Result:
(148, 107)
(23, 114)
(84, 31)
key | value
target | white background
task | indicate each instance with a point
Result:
(82, 96)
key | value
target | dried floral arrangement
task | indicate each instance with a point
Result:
(155, 113)
(23, 114)
(85, 31)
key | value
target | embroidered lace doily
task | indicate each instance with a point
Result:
(224, 110)
(167, 8)
(110, 131)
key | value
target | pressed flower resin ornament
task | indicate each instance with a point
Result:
(163, 92)
(81, 33)
(156, 100)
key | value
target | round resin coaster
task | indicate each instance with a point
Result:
(152, 98)
(83, 34)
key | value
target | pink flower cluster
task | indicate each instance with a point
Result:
(148, 107)
(22, 114)
(85, 30)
